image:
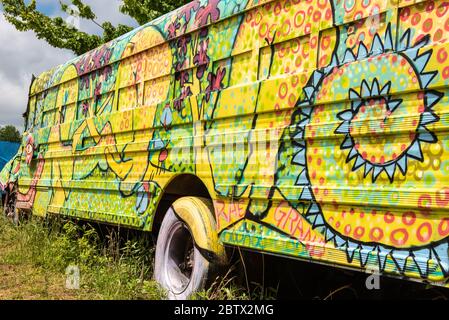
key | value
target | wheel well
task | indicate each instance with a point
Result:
(184, 185)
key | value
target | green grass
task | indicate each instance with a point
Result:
(113, 264)
(117, 264)
(228, 288)
(35, 255)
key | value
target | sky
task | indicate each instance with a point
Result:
(22, 55)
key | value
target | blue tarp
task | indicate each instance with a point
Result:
(7, 151)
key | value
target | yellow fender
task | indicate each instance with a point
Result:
(197, 214)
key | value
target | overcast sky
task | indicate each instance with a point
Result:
(22, 54)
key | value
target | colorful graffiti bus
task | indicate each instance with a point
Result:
(313, 129)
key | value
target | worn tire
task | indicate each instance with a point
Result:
(188, 252)
(9, 207)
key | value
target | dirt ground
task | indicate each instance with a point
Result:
(24, 282)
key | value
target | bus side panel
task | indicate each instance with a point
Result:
(357, 175)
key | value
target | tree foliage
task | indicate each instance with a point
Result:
(59, 34)
(10, 133)
(146, 10)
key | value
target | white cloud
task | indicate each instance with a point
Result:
(105, 10)
(21, 55)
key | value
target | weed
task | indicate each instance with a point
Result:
(113, 264)
(50, 247)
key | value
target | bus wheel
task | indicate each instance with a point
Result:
(9, 204)
(188, 252)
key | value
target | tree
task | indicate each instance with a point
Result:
(10, 133)
(146, 10)
(59, 34)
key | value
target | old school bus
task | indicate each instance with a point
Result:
(314, 129)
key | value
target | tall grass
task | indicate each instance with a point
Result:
(229, 288)
(110, 268)
(114, 264)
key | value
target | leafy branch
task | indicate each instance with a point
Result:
(58, 33)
